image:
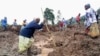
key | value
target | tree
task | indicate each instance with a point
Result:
(48, 14)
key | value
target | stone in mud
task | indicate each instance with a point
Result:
(59, 43)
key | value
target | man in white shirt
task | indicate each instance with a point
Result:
(90, 21)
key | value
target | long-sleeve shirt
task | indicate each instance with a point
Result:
(30, 28)
(90, 17)
(4, 22)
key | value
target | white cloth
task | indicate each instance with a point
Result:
(90, 17)
(87, 23)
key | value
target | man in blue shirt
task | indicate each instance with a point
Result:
(26, 33)
(4, 23)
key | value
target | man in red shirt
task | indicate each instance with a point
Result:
(78, 18)
(61, 25)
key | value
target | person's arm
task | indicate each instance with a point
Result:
(41, 25)
(37, 26)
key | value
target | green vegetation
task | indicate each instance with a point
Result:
(48, 14)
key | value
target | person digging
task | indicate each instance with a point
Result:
(26, 34)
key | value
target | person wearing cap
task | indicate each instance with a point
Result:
(27, 33)
(91, 22)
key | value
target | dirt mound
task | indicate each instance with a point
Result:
(79, 45)
(85, 47)
(58, 43)
(10, 29)
(8, 43)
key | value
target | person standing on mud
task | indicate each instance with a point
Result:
(26, 34)
(78, 19)
(14, 24)
(91, 22)
(64, 23)
(4, 23)
(60, 23)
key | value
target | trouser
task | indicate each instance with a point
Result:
(24, 43)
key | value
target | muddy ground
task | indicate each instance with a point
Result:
(58, 43)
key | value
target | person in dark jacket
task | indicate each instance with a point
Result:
(26, 34)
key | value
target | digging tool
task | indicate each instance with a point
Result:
(46, 22)
(51, 37)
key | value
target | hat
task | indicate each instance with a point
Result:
(87, 6)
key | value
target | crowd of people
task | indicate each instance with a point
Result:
(4, 24)
(27, 31)
(62, 24)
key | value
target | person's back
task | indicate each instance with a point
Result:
(26, 35)
(29, 29)
(78, 18)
